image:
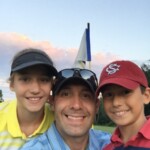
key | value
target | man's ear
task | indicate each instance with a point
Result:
(147, 96)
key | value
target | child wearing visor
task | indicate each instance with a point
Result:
(75, 106)
(31, 78)
(125, 91)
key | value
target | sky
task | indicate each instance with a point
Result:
(119, 29)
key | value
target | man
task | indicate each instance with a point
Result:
(75, 106)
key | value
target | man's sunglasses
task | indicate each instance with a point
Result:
(85, 74)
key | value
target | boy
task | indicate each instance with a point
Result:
(75, 106)
(31, 79)
(125, 90)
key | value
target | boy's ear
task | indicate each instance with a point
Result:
(147, 95)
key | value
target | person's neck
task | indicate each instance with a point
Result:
(29, 122)
(77, 143)
(127, 132)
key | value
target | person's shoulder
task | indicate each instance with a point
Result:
(108, 147)
(37, 143)
(99, 133)
(32, 143)
(99, 138)
(5, 106)
(4, 111)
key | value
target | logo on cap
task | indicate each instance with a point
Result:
(112, 68)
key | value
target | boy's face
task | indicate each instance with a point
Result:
(75, 107)
(32, 88)
(123, 106)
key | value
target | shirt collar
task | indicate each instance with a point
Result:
(144, 131)
(13, 124)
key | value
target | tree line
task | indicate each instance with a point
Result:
(1, 96)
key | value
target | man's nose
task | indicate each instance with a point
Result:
(76, 102)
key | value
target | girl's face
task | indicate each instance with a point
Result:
(32, 87)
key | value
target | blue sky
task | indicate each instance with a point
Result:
(120, 29)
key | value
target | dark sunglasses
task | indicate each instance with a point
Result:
(85, 74)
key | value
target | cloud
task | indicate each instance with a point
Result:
(11, 43)
(3, 83)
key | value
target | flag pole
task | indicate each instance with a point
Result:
(88, 44)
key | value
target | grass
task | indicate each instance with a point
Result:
(104, 128)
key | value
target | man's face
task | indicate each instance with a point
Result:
(75, 107)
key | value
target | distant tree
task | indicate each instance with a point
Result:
(1, 96)
(101, 117)
(146, 69)
(147, 109)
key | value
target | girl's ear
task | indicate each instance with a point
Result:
(147, 95)
(51, 102)
(11, 86)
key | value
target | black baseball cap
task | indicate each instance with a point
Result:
(75, 75)
(32, 57)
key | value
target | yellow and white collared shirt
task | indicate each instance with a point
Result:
(11, 136)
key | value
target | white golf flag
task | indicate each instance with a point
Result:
(84, 52)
